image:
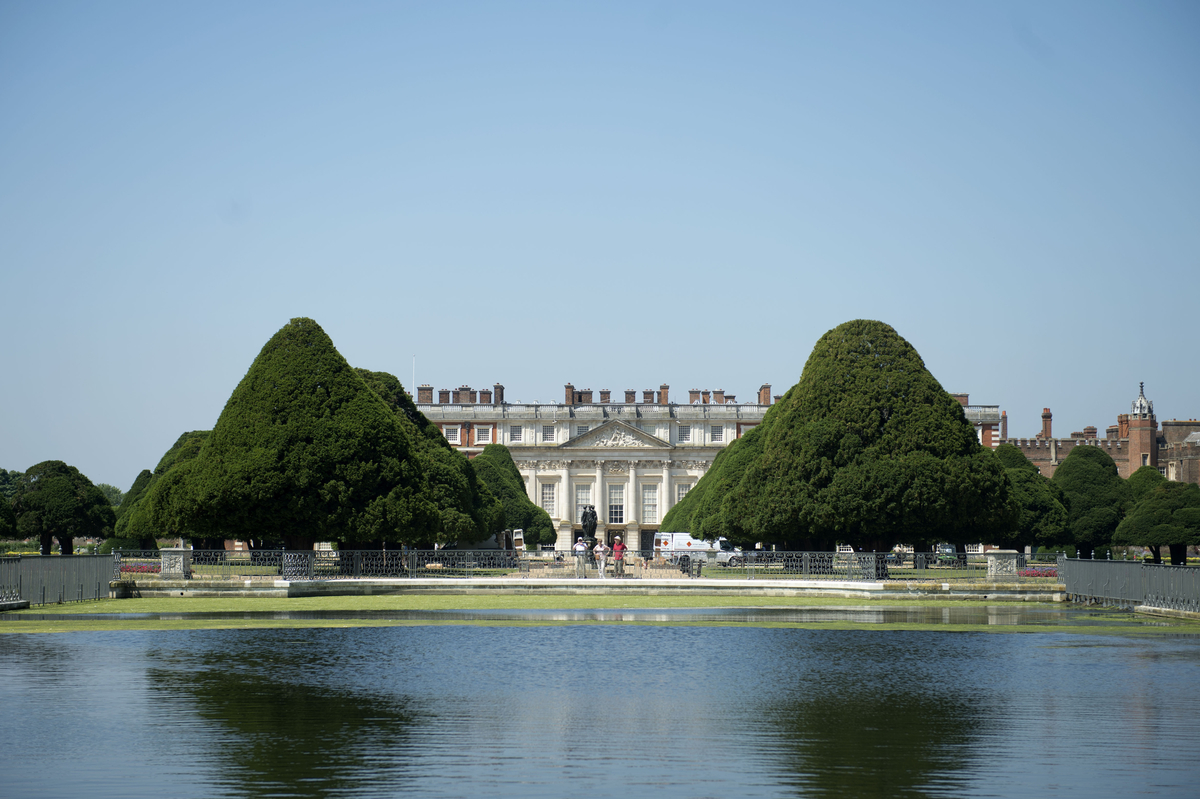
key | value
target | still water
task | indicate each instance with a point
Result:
(597, 710)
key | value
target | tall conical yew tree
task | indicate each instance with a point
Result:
(500, 474)
(305, 451)
(867, 449)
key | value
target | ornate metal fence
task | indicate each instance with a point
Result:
(46, 579)
(1128, 583)
(751, 565)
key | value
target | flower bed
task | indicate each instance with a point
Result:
(141, 568)
(1039, 572)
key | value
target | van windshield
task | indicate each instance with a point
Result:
(726, 546)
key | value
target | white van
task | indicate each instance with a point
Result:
(676, 546)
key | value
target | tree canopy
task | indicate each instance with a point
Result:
(1095, 497)
(1043, 518)
(8, 484)
(1168, 515)
(113, 494)
(55, 501)
(867, 448)
(306, 451)
(500, 474)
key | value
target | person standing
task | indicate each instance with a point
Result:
(601, 553)
(580, 557)
(618, 557)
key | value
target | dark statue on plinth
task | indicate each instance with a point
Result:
(588, 521)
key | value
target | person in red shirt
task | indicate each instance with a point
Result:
(618, 557)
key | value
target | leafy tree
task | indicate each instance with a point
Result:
(55, 501)
(1142, 483)
(8, 520)
(8, 484)
(1043, 518)
(113, 494)
(497, 471)
(1095, 496)
(1169, 515)
(305, 451)
(868, 449)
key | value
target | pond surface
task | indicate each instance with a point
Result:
(598, 710)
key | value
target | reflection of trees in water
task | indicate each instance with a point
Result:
(867, 725)
(282, 738)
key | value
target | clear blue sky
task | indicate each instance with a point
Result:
(615, 195)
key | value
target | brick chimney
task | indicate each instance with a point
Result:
(424, 394)
(569, 392)
(605, 396)
(1004, 425)
(630, 396)
(648, 396)
(704, 397)
(718, 396)
(764, 394)
(693, 396)
(962, 399)
(585, 396)
(1089, 431)
(443, 396)
(485, 396)
(663, 392)
(1046, 418)
(498, 394)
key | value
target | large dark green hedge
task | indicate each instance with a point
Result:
(56, 501)
(1043, 518)
(500, 474)
(306, 451)
(134, 521)
(1095, 497)
(866, 449)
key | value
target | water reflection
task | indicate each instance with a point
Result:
(271, 731)
(966, 615)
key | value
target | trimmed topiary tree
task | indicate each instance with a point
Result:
(1095, 497)
(55, 501)
(305, 451)
(497, 471)
(866, 449)
(1042, 521)
(1168, 515)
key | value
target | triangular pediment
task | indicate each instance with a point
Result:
(615, 434)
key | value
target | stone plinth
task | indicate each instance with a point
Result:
(176, 563)
(1002, 564)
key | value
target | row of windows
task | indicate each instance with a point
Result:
(616, 501)
(516, 433)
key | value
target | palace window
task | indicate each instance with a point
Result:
(451, 434)
(685, 433)
(548, 433)
(548, 498)
(483, 434)
(581, 429)
(649, 504)
(681, 490)
(718, 433)
(583, 498)
(514, 433)
(616, 504)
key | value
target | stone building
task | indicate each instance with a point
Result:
(1133, 442)
(632, 460)
(990, 423)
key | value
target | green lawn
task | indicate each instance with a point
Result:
(186, 605)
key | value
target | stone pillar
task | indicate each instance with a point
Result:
(1002, 564)
(176, 563)
(566, 503)
(600, 500)
(667, 501)
(631, 503)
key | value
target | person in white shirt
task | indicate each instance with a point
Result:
(601, 553)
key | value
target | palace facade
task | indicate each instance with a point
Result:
(632, 460)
